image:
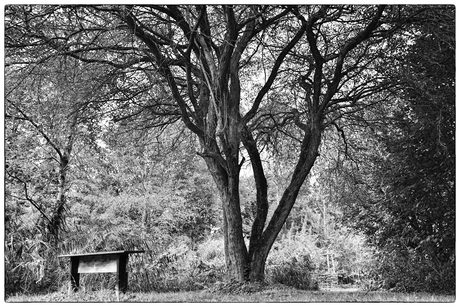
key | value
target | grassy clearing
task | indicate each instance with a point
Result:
(269, 295)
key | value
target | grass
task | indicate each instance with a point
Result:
(268, 295)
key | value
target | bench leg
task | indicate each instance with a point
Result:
(74, 275)
(122, 274)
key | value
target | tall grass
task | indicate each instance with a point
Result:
(181, 266)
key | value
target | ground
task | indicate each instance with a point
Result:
(250, 294)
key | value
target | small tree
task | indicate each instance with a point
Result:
(50, 104)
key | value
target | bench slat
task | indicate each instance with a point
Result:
(101, 253)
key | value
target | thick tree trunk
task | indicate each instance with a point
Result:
(226, 178)
(241, 264)
(260, 246)
(235, 248)
(236, 255)
(257, 255)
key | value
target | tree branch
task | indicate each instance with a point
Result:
(40, 130)
(164, 71)
(215, 156)
(27, 197)
(352, 43)
(274, 72)
(261, 190)
(342, 134)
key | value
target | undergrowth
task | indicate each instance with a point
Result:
(177, 268)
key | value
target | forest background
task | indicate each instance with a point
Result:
(97, 156)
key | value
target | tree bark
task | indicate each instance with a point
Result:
(235, 248)
(227, 182)
(256, 261)
(57, 215)
(260, 247)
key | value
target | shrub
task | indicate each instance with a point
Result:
(294, 273)
(179, 268)
(292, 261)
(34, 272)
(406, 270)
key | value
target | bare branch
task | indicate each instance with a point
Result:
(39, 129)
(27, 197)
(274, 72)
(164, 71)
(352, 43)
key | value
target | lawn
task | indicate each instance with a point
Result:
(267, 295)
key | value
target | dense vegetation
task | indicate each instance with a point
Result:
(411, 218)
(343, 165)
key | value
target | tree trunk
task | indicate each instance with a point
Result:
(260, 247)
(241, 264)
(227, 182)
(235, 249)
(57, 217)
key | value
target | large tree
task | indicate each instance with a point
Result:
(237, 76)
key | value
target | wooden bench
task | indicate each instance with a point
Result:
(102, 262)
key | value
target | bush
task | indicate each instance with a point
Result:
(297, 274)
(179, 268)
(406, 270)
(293, 260)
(34, 272)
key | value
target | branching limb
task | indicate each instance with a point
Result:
(39, 129)
(261, 190)
(27, 197)
(274, 72)
(215, 156)
(342, 134)
(349, 45)
(297, 121)
(165, 71)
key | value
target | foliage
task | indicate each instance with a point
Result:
(303, 116)
(410, 270)
(409, 210)
(421, 165)
(111, 209)
(31, 266)
(294, 273)
(51, 113)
